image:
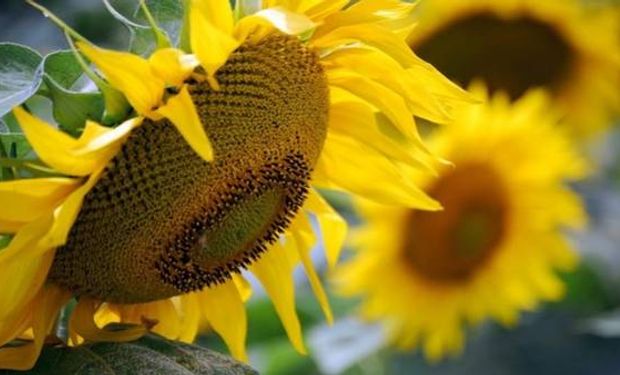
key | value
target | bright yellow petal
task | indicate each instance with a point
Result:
(224, 310)
(190, 307)
(350, 164)
(77, 157)
(16, 325)
(65, 215)
(333, 226)
(23, 275)
(275, 272)
(325, 8)
(82, 322)
(211, 44)
(26, 200)
(10, 227)
(218, 12)
(172, 65)
(130, 74)
(358, 120)
(286, 21)
(300, 228)
(386, 100)
(372, 35)
(49, 301)
(180, 110)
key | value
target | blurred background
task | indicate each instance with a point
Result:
(578, 335)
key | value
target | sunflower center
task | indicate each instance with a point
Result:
(161, 221)
(449, 246)
(511, 55)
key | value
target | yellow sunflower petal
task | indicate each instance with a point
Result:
(218, 12)
(65, 215)
(49, 302)
(180, 110)
(286, 21)
(25, 200)
(371, 35)
(423, 98)
(224, 310)
(23, 275)
(15, 325)
(333, 226)
(10, 226)
(350, 164)
(77, 157)
(211, 42)
(275, 272)
(386, 100)
(260, 24)
(191, 317)
(302, 243)
(129, 73)
(324, 8)
(172, 65)
(358, 121)
(82, 322)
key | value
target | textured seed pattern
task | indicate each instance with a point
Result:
(162, 222)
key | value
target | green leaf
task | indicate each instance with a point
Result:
(20, 75)
(169, 17)
(63, 68)
(151, 354)
(142, 40)
(15, 144)
(4, 240)
(71, 108)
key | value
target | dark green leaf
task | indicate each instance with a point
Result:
(72, 109)
(20, 76)
(169, 17)
(63, 68)
(142, 40)
(4, 240)
(10, 123)
(151, 354)
(15, 145)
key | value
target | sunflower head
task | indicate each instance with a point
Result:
(192, 228)
(451, 245)
(514, 46)
(493, 250)
(150, 220)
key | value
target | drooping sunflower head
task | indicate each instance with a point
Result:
(189, 223)
(493, 250)
(152, 220)
(514, 46)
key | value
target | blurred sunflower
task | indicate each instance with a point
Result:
(495, 248)
(150, 223)
(568, 47)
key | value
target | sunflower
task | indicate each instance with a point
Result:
(495, 248)
(568, 47)
(149, 223)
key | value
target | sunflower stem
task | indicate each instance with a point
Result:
(28, 165)
(160, 38)
(66, 28)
